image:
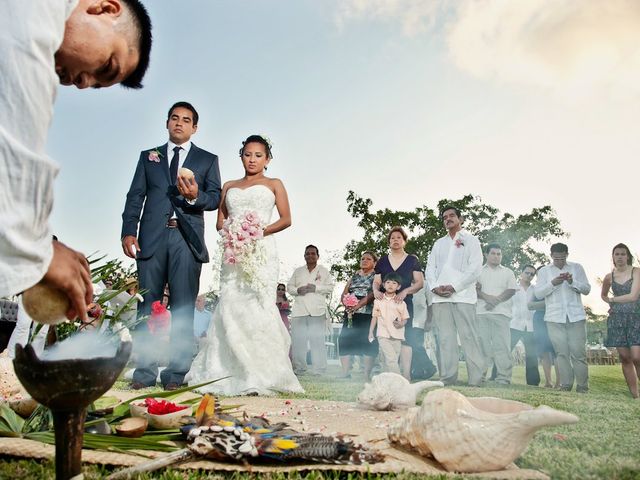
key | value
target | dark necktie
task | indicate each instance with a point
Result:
(173, 168)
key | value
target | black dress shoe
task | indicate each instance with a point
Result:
(171, 386)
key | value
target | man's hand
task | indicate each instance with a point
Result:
(302, 290)
(69, 272)
(311, 288)
(441, 291)
(400, 296)
(377, 294)
(130, 246)
(558, 280)
(188, 187)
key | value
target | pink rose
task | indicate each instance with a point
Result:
(245, 226)
(154, 156)
(251, 217)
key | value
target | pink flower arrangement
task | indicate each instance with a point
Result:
(154, 155)
(238, 236)
(459, 243)
(349, 301)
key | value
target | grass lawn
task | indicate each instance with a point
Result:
(604, 444)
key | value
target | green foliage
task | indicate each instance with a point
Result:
(596, 327)
(517, 235)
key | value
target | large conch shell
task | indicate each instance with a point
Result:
(391, 391)
(472, 434)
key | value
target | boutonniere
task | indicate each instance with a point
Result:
(318, 277)
(459, 243)
(154, 155)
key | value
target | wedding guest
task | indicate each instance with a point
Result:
(201, 318)
(310, 285)
(623, 325)
(284, 306)
(522, 325)
(546, 353)
(354, 336)
(42, 44)
(408, 267)
(495, 287)
(562, 284)
(388, 321)
(453, 268)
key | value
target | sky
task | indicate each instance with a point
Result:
(526, 103)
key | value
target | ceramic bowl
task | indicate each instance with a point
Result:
(169, 420)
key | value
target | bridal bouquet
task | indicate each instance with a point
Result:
(240, 246)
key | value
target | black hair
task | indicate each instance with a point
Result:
(145, 39)
(491, 246)
(392, 277)
(186, 105)
(559, 248)
(623, 246)
(450, 207)
(398, 229)
(314, 247)
(528, 265)
(284, 295)
(257, 139)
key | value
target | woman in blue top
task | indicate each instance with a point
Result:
(408, 267)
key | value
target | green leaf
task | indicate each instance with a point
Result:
(10, 421)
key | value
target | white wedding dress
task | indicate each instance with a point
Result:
(246, 339)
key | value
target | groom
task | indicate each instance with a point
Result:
(168, 240)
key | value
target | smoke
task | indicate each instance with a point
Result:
(82, 345)
(574, 47)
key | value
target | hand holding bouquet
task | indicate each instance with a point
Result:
(349, 301)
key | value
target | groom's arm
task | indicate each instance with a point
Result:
(209, 192)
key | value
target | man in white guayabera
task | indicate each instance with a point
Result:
(310, 285)
(453, 268)
(562, 285)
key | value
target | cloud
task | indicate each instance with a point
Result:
(573, 46)
(415, 16)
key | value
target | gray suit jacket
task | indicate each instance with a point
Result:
(152, 188)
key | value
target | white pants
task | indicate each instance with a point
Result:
(309, 330)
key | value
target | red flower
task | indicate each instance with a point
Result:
(162, 407)
(459, 243)
(160, 318)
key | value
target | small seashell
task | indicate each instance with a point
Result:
(390, 391)
(228, 428)
(195, 432)
(216, 428)
(246, 447)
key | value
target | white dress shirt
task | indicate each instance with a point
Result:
(314, 303)
(494, 281)
(182, 156)
(521, 316)
(30, 34)
(563, 301)
(457, 262)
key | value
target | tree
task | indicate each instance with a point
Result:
(517, 235)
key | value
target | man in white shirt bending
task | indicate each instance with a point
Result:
(562, 285)
(309, 285)
(453, 268)
(86, 43)
(496, 285)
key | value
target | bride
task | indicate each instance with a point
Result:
(246, 339)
